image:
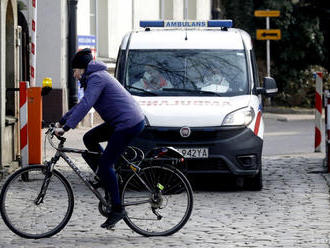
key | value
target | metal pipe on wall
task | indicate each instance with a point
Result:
(72, 49)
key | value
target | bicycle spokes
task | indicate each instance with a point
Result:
(166, 209)
(34, 205)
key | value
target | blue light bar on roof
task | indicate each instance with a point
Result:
(220, 23)
(187, 24)
(151, 24)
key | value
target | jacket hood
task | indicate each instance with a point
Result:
(94, 66)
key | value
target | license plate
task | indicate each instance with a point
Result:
(194, 152)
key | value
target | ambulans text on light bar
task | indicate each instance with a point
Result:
(187, 24)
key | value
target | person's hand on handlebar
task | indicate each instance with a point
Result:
(58, 125)
(59, 131)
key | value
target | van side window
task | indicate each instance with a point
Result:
(119, 73)
(255, 69)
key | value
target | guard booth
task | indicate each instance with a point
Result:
(15, 67)
(9, 76)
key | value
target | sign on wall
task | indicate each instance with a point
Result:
(87, 41)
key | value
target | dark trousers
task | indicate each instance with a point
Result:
(117, 142)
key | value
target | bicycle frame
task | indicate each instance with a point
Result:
(78, 172)
(61, 153)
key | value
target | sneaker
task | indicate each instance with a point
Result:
(113, 218)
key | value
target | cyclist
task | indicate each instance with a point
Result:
(123, 121)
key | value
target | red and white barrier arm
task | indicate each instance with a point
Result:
(33, 50)
(23, 114)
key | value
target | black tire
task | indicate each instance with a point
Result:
(23, 216)
(254, 183)
(171, 198)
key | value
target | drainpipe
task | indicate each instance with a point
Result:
(72, 49)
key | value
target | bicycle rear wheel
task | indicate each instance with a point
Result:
(29, 217)
(158, 201)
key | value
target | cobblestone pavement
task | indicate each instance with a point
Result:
(291, 211)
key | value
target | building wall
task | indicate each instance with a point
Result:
(203, 9)
(8, 79)
(2, 76)
(51, 42)
(103, 26)
(117, 17)
(178, 9)
(116, 25)
(52, 56)
(143, 13)
(84, 17)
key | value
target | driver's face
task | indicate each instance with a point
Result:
(152, 75)
(77, 73)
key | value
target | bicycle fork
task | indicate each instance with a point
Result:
(48, 174)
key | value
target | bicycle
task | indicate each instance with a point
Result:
(37, 201)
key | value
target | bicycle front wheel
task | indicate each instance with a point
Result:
(158, 201)
(30, 216)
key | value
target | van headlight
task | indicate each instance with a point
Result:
(241, 117)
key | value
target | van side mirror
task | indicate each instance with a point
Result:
(270, 87)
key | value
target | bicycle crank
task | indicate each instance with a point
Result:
(104, 210)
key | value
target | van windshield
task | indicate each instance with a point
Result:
(187, 72)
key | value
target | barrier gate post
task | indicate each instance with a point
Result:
(34, 124)
(318, 111)
(327, 123)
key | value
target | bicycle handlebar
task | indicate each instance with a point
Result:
(50, 135)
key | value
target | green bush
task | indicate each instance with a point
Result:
(301, 92)
(304, 25)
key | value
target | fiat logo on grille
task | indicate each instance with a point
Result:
(185, 132)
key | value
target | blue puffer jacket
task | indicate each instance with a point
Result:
(110, 99)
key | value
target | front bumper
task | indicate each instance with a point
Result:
(231, 150)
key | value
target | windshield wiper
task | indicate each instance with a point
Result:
(142, 90)
(193, 91)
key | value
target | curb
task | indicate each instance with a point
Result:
(288, 117)
(8, 169)
(287, 110)
(289, 114)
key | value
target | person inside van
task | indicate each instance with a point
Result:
(215, 82)
(152, 80)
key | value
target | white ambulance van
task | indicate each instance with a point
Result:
(197, 83)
